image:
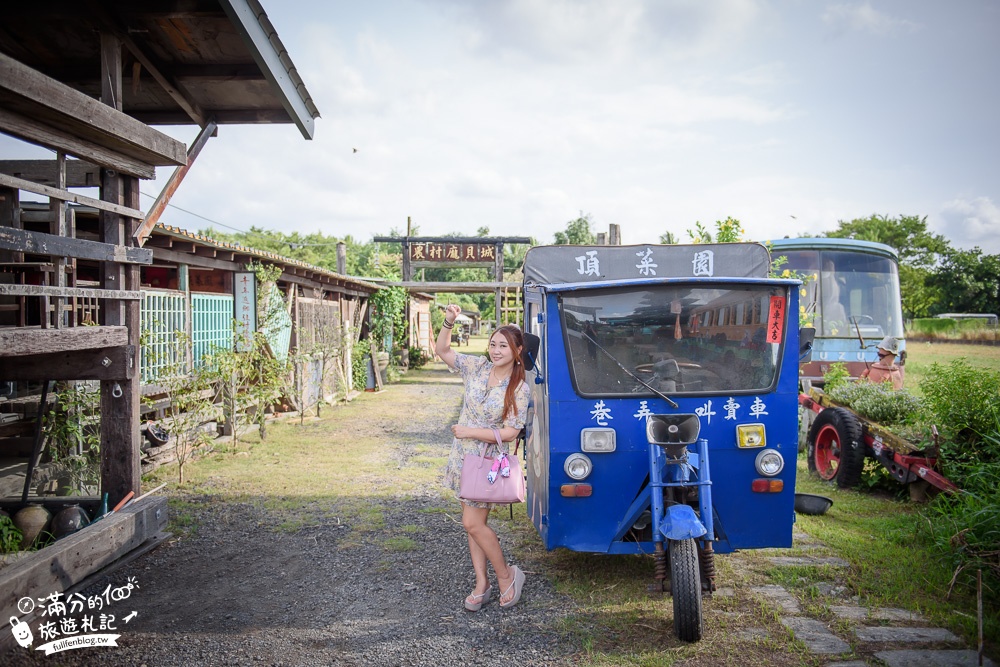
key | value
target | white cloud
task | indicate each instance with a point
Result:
(597, 30)
(862, 17)
(972, 222)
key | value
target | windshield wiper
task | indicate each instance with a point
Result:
(635, 377)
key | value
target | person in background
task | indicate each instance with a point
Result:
(885, 369)
(496, 397)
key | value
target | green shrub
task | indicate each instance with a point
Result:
(835, 376)
(359, 372)
(965, 528)
(418, 357)
(932, 325)
(878, 402)
(963, 401)
(10, 536)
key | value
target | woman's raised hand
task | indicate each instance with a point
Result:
(455, 311)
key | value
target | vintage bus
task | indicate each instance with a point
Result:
(850, 294)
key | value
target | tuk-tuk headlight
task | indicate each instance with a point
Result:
(600, 440)
(578, 466)
(769, 462)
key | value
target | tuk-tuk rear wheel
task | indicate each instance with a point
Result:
(685, 587)
(835, 449)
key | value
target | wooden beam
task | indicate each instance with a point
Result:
(171, 87)
(182, 246)
(156, 210)
(75, 557)
(31, 130)
(71, 292)
(196, 261)
(110, 363)
(66, 195)
(465, 288)
(108, 126)
(15, 342)
(79, 173)
(221, 116)
(39, 243)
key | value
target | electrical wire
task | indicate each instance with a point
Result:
(214, 222)
(291, 244)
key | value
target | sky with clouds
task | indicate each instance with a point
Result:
(519, 115)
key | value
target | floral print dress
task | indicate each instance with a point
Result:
(481, 408)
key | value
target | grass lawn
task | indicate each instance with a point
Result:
(920, 356)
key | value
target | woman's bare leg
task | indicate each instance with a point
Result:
(484, 539)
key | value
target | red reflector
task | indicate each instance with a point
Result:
(762, 485)
(576, 490)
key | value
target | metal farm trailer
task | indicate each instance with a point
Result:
(840, 440)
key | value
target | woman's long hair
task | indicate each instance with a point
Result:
(515, 339)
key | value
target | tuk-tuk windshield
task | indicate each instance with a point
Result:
(679, 339)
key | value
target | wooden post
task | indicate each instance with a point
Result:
(342, 258)
(498, 277)
(615, 232)
(184, 284)
(407, 267)
(120, 472)
(57, 226)
(10, 217)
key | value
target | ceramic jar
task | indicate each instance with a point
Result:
(69, 520)
(31, 520)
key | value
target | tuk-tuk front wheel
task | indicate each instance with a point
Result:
(685, 587)
(835, 447)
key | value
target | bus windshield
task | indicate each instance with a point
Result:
(679, 339)
(848, 293)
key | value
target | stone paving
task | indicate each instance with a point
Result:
(894, 644)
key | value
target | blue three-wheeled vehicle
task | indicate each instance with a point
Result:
(664, 412)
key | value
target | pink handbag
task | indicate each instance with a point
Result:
(487, 479)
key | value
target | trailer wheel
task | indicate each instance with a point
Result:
(835, 448)
(685, 586)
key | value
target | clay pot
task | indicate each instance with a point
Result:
(69, 520)
(31, 521)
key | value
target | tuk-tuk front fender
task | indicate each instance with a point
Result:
(681, 523)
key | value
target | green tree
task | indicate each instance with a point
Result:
(907, 235)
(967, 281)
(726, 231)
(669, 238)
(919, 252)
(577, 232)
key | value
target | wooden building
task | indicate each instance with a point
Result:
(87, 81)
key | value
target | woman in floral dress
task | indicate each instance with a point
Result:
(496, 397)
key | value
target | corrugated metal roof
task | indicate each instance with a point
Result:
(177, 232)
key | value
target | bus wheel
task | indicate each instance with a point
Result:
(685, 587)
(835, 449)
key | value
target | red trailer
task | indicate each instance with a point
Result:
(839, 440)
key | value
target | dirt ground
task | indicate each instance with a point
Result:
(238, 592)
(239, 589)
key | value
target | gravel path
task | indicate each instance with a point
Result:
(240, 593)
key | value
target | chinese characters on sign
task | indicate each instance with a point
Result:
(589, 263)
(775, 319)
(74, 621)
(245, 307)
(452, 252)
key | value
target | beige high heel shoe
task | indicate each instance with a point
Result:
(518, 584)
(479, 600)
